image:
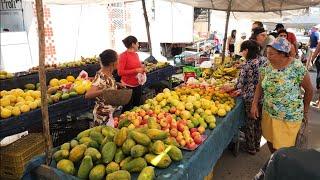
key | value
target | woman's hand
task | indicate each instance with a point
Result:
(120, 86)
(140, 70)
(254, 111)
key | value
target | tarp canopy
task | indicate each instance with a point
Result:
(237, 5)
(252, 5)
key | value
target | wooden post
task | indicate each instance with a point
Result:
(147, 25)
(42, 79)
(226, 32)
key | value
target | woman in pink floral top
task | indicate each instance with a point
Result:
(248, 79)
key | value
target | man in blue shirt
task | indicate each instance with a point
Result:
(314, 40)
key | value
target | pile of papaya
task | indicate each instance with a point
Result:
(108, 153)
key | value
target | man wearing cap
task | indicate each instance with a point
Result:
(238, 45)
(291, 37)
(314, 40)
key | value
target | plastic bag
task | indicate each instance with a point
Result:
(83, 75)
(142, 78)
(302, 136)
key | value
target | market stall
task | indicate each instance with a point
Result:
(203, 158)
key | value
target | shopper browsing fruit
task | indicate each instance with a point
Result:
(261, 37)
(284, 104)
(128, 68)
(103, 80)
(248, 79)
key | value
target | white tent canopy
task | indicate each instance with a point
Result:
(252, 5)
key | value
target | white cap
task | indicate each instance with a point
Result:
(243, 34)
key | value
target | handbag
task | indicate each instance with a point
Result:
(302, 136)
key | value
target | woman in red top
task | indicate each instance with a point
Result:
(128, 67)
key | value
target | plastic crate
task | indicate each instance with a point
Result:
(66, 129)
(147, 94)
(15, 156)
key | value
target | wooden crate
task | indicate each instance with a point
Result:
(15, 156)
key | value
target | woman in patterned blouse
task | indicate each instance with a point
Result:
(103, 80)
(285, 106)
(248, 79)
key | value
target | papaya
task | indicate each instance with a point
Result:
(135, 165)
(97, 129)
(112, 167)
(84, 133)
(30, 86)
(73, 94)
(175, 154)
(142, 129)
(119, 175)
(65, 96)
(126, 160)
(140, 138)
(108, 133)
(65, 146)
(163, 163)
(124, 123)
(52, 90)
(105, 140)
(147, 173)
(84, 140)
(85, 167)
(93, 144)
(108, 151)
(138, 151)
(119, 156)
(171, 141)
(127, 145)
(152, 124)
(73, 143)
(76, 154)
(61, 154)
(97, 172)
(94, 153)
(121, 136)
(156, 134)
(66, 166)
(158, 147)
(96, 136)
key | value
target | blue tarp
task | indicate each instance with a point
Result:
(195, 164)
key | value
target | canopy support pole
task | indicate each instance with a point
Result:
(42, 79)
(147, 25)
(226, 32)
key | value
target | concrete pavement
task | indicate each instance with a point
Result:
(245, 166)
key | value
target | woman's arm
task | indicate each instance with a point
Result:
(308, 92)
(93, 92)
(316, 53)
(257, 95)
(122, 71)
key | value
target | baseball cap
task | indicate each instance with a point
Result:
(278, 26)
(281, 44)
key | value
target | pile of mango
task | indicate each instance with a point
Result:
(108, 153)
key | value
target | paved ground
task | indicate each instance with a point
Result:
(245, 166)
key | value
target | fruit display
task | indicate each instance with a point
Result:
(17, 101)
(6, 75)
(83, 61)
(183, 113)
(108, 153)
(152, 67)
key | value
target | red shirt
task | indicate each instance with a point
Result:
(292, 38)
(128, 63)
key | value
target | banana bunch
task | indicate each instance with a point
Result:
(206, 73)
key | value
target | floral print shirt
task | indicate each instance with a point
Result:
(282, 92)
(249, 77)
(103, 112)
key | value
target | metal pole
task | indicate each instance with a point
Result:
(226, 32)
(147, 25)
(42, 79)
